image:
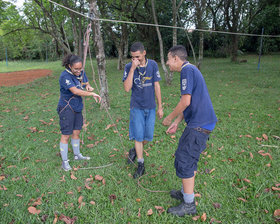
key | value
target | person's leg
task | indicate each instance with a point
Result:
(75, 140)
(66, 127)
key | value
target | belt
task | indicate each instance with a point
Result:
(202, 130)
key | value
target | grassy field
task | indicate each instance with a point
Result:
(238, 179)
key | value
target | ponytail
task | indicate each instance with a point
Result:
(70, 59)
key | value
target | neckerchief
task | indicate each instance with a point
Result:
(185, 64)
(144, 73)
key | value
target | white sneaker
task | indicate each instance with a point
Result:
(65, 165)
(81, 157)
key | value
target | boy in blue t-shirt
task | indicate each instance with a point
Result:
(142, 77)
(196, 108)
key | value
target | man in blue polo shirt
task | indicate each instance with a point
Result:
(196, 108)
(142, 77)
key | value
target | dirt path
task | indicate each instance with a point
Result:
(22, 77)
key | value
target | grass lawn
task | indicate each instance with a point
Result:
(238, 177)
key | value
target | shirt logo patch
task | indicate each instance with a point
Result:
(67, 82)
(158, 74)
(125, 74)
(184, 84)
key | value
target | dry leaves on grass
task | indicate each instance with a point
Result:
(203, 217)
(241, 199)
(73, 176)
(67, 219)
(33, 210)
(150, 212)
(112, 197)
(109, 126)
(160, 209)
(261, 152)
(277, 213)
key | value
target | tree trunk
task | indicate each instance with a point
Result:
(168, 77)
(120, 57)
(234, 47)
(174, 21)
(200, 52)
(100, 56)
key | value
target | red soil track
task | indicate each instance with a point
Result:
(22, 77)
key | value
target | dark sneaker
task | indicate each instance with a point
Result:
(131, 156)
(140, 171)
(183, 209)
(177, 195)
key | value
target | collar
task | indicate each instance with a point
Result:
(185, 64)
(80, 77)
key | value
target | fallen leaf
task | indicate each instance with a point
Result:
(150, 212)
(67, 219)
(275, 189)
(62, 178)
(172, 136)
(242, 199)
(70, 192)
(212, 170)
(112, 198)
(265, 137)
(33, 210)
(98, 177)
(109, 126)
(139, 213)
(197, 195)
(90, 146)
(87, 187)
(73, 176)
(92, 202)
(248, 136)
(103, 181)
(276, 212)
(259, 139)
(251, 155)
(2, 177)
(160, 209)
(80, 199)
(203, 217)
(221, 148)
(195, 218)
(217, 205)
(138, 199)
(91, 137)
(247, 180)
(44, 218)
(55, 219)
(261, 152)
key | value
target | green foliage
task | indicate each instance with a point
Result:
(247, 106)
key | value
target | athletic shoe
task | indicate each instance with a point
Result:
(183, 209)
(65, 165)
(140, 170)
(177, 195)
(81, 157)
(131, 156)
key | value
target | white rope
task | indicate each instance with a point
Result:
(165, 26)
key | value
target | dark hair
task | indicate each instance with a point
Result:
(180, 51)
(137, 46)
(70, 59)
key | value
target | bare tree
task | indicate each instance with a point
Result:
(100, 55)
(200, 9)
(175, 9)
(168, 77)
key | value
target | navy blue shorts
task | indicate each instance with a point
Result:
(69, 120)
(191, 144)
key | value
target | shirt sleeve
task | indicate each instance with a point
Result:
(66, 82)
(126, 71)
(186, 81)
(156, 73)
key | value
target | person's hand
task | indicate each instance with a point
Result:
(135, 63)
(167, 121)
(89, 88)
(160, 113)
(96, 97)
(172, 128)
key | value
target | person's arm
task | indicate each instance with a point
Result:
(127, 84)
(158, 97)
(80, 92)
(173, 127)
(184, 102)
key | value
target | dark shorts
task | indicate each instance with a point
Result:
(69, 120)
(191, 144)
